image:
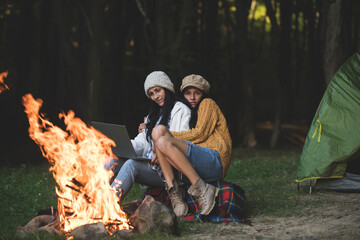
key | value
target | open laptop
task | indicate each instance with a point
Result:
(119, 133)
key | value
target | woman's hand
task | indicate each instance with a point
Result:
(142, 127)
(154, 160)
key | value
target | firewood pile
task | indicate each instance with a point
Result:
(147, 217)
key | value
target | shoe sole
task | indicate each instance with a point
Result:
(216, 194)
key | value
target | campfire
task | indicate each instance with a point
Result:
(77, 156)
(3, 86)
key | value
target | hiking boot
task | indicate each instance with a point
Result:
(177, 195)
(205, 194)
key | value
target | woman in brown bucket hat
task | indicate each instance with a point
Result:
(198, 156)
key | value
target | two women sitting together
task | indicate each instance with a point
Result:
(187, 139)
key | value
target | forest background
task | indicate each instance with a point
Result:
(268, 61)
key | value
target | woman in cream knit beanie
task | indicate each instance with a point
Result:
(164, 110)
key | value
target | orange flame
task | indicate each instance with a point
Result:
(77, 156)
(3, 86)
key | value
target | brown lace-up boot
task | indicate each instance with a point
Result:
(177, 195)
(205, 194)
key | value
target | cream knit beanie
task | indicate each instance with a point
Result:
(160, 79)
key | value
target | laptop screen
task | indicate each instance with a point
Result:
(119, 134)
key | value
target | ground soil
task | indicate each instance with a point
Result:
(331, 221)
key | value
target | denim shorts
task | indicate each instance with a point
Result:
(205, 161)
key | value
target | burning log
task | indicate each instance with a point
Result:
(42, 223)
(90, 231)
(79, 189)
(148, 217)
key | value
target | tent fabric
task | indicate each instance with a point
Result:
(334, 134)
(350, 183)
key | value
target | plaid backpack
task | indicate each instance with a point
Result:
(229, 206)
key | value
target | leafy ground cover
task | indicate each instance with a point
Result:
(277, 209)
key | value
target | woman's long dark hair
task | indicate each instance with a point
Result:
(194, 114)
(156, 111)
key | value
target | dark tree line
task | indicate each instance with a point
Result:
(266, 60)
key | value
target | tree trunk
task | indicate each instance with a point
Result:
(356, 29)
(238, 81)
(333, 52)
(249, 138)
(94, 18)
(314, 86)
(163, 31)
(210, 40)
(17, 56)
(119, 35)
(66, 72)
(275, 46)
(285, 66)
(24, 50)
(299, 53)
(350, 11)
(49, 55)
(186, 41)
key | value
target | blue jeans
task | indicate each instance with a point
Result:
(205, 161)
(127, 172)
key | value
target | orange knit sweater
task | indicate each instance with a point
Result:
(211, 131)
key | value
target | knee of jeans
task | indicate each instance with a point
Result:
(109, 162)
(129, 165)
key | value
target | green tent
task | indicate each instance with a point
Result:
(333, 140)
